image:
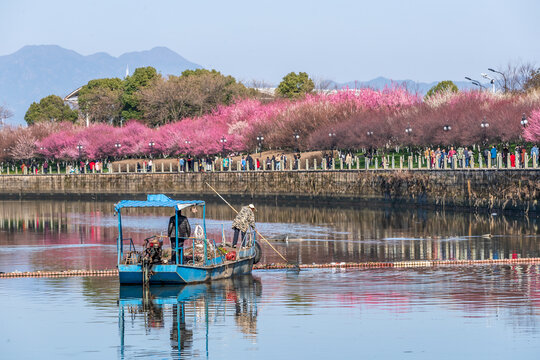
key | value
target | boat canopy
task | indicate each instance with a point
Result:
(158, 200)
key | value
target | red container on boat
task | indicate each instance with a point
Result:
(231, 255)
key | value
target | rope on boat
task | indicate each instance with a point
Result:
(279, 266)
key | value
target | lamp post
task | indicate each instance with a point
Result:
(189, 161)
(151, 144)
(296, 137)
(505, 87)
(187, 142)
(491, 81)
(223, 141)
(117, 145)
(260, 139)
(447, 128)
(484, 125)
(408, 131)
(332, 136)
(475, 82)
(524, 121)
(79, 148)
(369, 133)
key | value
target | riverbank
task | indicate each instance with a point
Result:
(475, 190)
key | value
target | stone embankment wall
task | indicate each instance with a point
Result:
(475, 189)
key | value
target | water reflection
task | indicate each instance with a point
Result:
(488, 312)
(81, 234)
(188, 308)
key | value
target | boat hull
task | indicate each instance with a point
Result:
(185, 274)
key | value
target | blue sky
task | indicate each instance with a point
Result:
(340, 40)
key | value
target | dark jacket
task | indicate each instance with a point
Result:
(184, 229)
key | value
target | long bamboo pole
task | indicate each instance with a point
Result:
(257, 231)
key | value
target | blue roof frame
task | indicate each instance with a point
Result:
(156, 200)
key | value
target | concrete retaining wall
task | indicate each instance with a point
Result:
(478, 189)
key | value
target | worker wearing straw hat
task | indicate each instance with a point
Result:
(243, 221)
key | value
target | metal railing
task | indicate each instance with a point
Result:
(359, 163)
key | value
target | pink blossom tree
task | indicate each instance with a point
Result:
(532, 131)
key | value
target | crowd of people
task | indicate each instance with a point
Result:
(463, 156)
(434, 158)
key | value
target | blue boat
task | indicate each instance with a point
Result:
(199, 260)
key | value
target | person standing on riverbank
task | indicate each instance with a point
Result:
(467, 156)
(522, 156)
(493, 156)
(534, 152)
(451, 155)
(243, 221)
(182, 164)
(249, 162)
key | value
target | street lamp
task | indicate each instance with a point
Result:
(484, 125)
(260, 139)
(117, 145)
(447, 128)
(151, 145)
(296, 137)
(223, 141)
(491, 81)
(332, 136)
(475, 82)
(80, 147)
(503, 76)
(408, 131)
(369, 133)
(524, 121)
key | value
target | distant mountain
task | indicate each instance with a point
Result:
(382, 82)
(36, 71)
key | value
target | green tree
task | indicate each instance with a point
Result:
(141, 78)
(443, 86)
(100, 100)
(215, 88)
(50, 108)
(295, 85)
(194, 93)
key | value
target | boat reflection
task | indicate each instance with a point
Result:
(188, 309)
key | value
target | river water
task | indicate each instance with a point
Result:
(485, 312)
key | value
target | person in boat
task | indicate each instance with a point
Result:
(184, 232)
(242, 222)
